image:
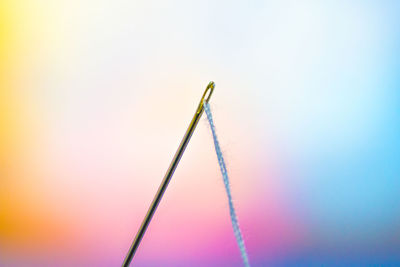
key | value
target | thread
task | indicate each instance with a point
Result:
(221, 162)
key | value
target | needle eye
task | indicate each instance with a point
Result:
(209, 90)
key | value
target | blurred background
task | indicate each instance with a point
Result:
(95, 97)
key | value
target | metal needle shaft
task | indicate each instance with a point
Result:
(171, 169)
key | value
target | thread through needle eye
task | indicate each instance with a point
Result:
(209, 90)
(171, 169)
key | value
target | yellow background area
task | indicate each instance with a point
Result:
(25, 220)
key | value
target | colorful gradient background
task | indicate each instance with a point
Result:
(96, 95)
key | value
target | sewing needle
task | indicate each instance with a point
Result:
(163, 186)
